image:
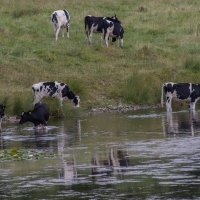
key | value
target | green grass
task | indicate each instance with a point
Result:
(160, 45)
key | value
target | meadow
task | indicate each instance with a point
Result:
(160, 45)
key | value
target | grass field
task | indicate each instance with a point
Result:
(160, 45)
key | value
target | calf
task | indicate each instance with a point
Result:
(180, 92)
(94, 25)
(38, 116)
(2, 113)
(60, 20)
(113, 29)
(56, 90)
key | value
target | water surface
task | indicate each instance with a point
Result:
(143, 154)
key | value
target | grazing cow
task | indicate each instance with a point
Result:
(2, 113)
(180, 92)
(38, 116)
(94, 25)
(60, 20)
(56, 90)
(113, 29)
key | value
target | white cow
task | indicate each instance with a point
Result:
(55, 90)
(60, 20)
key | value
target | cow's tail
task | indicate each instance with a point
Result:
(54, 17)
(85, 20)
(162, 88)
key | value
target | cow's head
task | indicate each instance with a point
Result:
(115, 19)
(25, 116)
(2, 110)
(76, 101)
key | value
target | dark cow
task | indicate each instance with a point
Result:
(180, 92)
(112, 29)
(56, 90)
(38, 116)
(2, 113)
(60, 20)
(94, 25)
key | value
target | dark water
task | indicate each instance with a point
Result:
(145, 154)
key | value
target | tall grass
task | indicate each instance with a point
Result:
(160, 45)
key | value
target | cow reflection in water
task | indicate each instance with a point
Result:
(113, 163)
(68, 170)
(179, 124)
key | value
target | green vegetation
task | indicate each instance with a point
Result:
(23, 154)
(160, 45)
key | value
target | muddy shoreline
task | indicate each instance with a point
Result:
(121, 108)
(97, 111)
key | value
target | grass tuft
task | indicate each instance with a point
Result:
(24, 12)
(192, 64)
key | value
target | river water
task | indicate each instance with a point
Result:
(143, 154)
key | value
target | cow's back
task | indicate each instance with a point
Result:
(41, 110)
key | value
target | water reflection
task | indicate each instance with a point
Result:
(111, 163)
(177, 123)
(107, 156)
(67, 170)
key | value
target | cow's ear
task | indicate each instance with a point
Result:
(4, 107)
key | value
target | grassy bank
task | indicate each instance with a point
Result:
(160, 45)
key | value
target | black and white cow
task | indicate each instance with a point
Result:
(2, 113)
(94, 25)
(60, 20)
(38, 116)
(180, 92)
(112, 29)
(55, 90)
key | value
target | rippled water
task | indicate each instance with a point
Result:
(144, 154)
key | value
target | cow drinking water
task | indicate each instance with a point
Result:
(180, 92)
(38, 116)
(56, 90)
(60, 20)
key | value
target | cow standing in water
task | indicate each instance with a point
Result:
(38, 116)
(60, 20)
(180, 92)
(55, 90)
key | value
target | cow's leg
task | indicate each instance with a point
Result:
(87, 33)
(168, 103)
(37, 98)
(0, 123)
(57, 32)
(118, 42)
(106, 38)
(102, 35)
(86, 36)
(192, 104)
(122, 42)
(90, 36)
(67, 31)
(63, 32)
(60, 101)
